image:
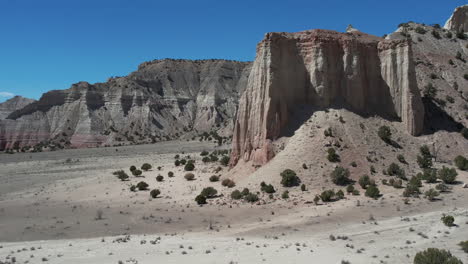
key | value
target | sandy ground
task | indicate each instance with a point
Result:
(49, 202)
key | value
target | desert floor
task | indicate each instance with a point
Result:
(49, 204)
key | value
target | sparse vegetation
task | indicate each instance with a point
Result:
(214, 178)
(340, 176)
(327, 196)
(289, 178)
(461, 163)
(401, 158)
(442, 187)
(420, 30)
(146, 167)
(435, 256)
(209, 192)
(189, 166)
(448, 175)
(142, 186)
(395, 170)
(425, 159)
(285, 195)
(159, 178)
(464, 246)
(224, 160)
(200, 199)
(364, 181)
(154, 193)
(228, 183)
(137, 172)
(385, 134)
(373, 192)
(431, 194)
(268, 188)
(251, 198)
(303, 188)
(429, 175)
(236, 195)
(332, 156)
(121, 175)
(170, 174)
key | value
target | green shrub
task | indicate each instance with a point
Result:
(436, 34)
(411, 191)
(429, 175)
(316, 199)
(121, 175)
(448, 220)
(206, 159)
(415, 181)
(328, 132)
(213, 158)
(431, 194)
(285, 195)
(136, 173)
(339, 195)
(425, 159)
(146, 167)
(303, 188)
(340, 176)
(209, 192)
(395, 170)
(401, 158)
(142, 186)
(397, 184)
(177, 163)
(385, 134)
(154, 193)
(251, 198)
(289, 178)
(236, 195)
(204, 153)
(430, 91)
(420, 30)
(332, 156)
(228, 183)
(268, 188)
(214, 178)
(464, 246)
(461, 162)
(132, 188)
(200, 199)
(327, 196)
(189, 176)
(435, 256)
(224, 160)
(189, 166)
(353, 164)
(373, 192)
(132, 168)
(245, 191)
(356, 192)
(447, 175)
(364, 181)
(159, 178)
(350, 188)
(170, 174)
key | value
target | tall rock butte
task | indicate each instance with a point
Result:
(459, 20)
(322, 69)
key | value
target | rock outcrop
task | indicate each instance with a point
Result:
(13, 104)
(323, 69)
(163, 99)
(459, 20)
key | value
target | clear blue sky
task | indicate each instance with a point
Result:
(47, 45)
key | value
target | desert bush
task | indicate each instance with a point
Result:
(245, 191)
(268, 188)
(224, 160)
(146, 167)
(206, 159)
(289, 178)
(364, 181)
(373, 192)
(189, 166)
(332, 156)
(137, 172)
(436, 34)
(395, 170)
(435, 256)
(442, 187)
(214, 178)
(132, 168)
(461, 162)
(356, 192)
(170, 174)
(401, 158)
(132, 188)
(183, 161)
(411, 191)
(448, 175)
(154, 193)
(285, 195)
(429, 175)
(340, 176)
(328, 132)
(251, 198)
(303, 188)
(213, 158)
(316, 199)
(142, 186)
(464, 132)
(209, 192)
(236, 195)
(415, 181)
(353, 164)
(397, 184)
(448, 220)
(204, 153)
(431, 194)
(385, 134)
(177, 163)
(464, 246)
(189, 176)
(159, 178)
(350, 188)
(420, 30)
(200, 199)
(425, 159)
(327, 196)
(228, 183)
(339, 195)
(121, 175)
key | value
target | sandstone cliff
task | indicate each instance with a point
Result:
(12, 105)
(323, 69)
(459, 20)
(163, 99)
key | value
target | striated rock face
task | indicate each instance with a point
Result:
(459, 20)
(12, 105)
(163, 99)
(322, 69)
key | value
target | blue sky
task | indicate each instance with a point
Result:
(46, 45)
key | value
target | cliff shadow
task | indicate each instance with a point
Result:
(436, 119)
